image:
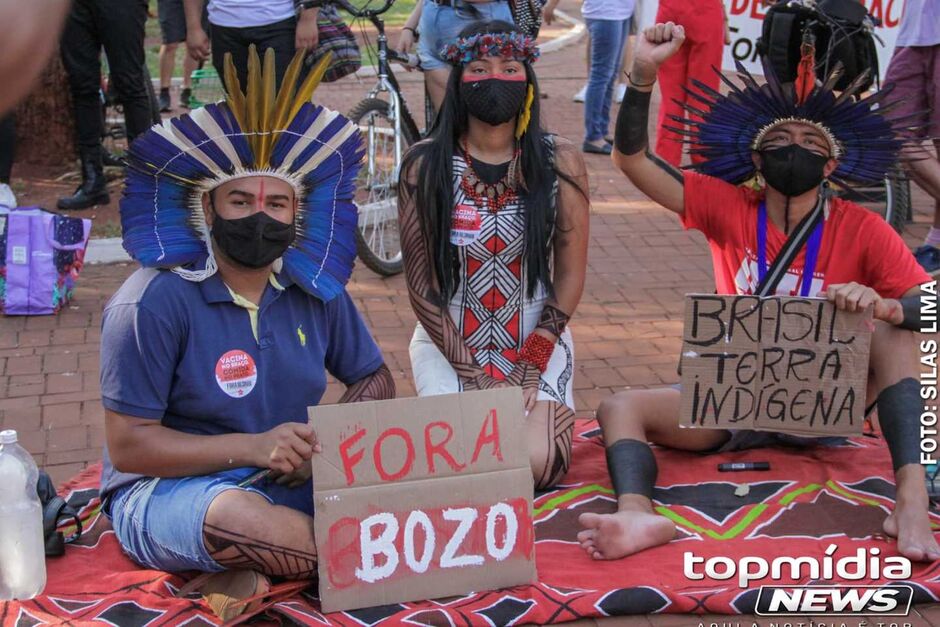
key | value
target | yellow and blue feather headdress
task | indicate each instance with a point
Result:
(259, 132)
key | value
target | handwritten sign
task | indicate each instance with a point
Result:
(422, 498)
(789, 364)
(746, 17)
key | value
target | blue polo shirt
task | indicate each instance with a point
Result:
(189, 355)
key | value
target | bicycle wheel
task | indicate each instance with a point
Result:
(897, 198)
(378, 240)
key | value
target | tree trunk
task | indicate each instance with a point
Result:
(45, 124)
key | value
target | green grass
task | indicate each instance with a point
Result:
(394, 17)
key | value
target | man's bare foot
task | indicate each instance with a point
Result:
(910, 524)
(612, 536)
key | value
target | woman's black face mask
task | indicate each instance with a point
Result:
(492, 99)
(255, 241)
(792, 170)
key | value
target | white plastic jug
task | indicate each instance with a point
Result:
(22, 549)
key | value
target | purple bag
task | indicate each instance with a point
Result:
(41, 254)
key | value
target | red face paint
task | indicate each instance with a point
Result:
(473, 78)
(259, 199)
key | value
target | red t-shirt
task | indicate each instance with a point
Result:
(857, 244)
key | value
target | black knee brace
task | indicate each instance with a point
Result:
(898, 410)
(632, 467)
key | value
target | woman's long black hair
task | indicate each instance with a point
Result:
(434, 193)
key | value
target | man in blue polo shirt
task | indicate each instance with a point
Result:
(211, 356)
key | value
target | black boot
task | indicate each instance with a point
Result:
(93, 190)
(165, 100)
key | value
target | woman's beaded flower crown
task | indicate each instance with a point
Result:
(509, 45)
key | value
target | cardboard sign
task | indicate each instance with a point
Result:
(421, 498)
(781, 363)
(746, 17)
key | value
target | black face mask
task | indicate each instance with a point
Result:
(792, 170)
(255, 241)
(494, 100)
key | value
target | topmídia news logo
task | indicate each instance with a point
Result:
(823, 600)
(824, 586)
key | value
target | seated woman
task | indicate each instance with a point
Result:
(494, 219)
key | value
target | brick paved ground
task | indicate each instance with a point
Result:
(626, 329)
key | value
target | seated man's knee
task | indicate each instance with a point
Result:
(233, 505)
(887, 338)
(891, 346)
(622, 406)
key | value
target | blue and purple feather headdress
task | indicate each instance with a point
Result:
(259, 132)
(726, 129)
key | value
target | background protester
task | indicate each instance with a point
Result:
(496, 268)
(234, 25)
(173, 31)
(440, 22)
(548, 15)
(118, 27)
(706, 30)
(915, 72)
(608, 21)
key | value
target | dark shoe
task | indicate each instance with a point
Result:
(94, 189)
(605, 149)
(165, 100)
(929, 258)
(185, 97)
(112, 160)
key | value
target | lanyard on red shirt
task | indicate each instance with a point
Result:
(812, 250)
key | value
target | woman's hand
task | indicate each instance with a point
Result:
(308, 35)
(548, 13)
(526, 376)
(406, 39)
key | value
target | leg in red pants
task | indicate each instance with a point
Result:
(704, 32)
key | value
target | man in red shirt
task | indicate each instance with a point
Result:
(796, 138)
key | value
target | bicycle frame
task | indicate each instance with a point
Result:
(388, 84)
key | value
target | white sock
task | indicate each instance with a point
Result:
(933, 237)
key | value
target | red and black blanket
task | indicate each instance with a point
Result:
(809, 500)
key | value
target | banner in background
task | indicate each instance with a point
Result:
(745, 18)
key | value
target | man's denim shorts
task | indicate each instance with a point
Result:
(159, 521)
(440, 25)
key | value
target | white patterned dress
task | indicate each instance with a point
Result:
(489, 306)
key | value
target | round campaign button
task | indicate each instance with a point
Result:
(236, 373)
(465, 225)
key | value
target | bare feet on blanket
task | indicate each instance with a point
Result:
(910, 524)
(612, 536)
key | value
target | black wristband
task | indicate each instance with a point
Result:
(910, 305)
(631, 136)
(409, 28)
